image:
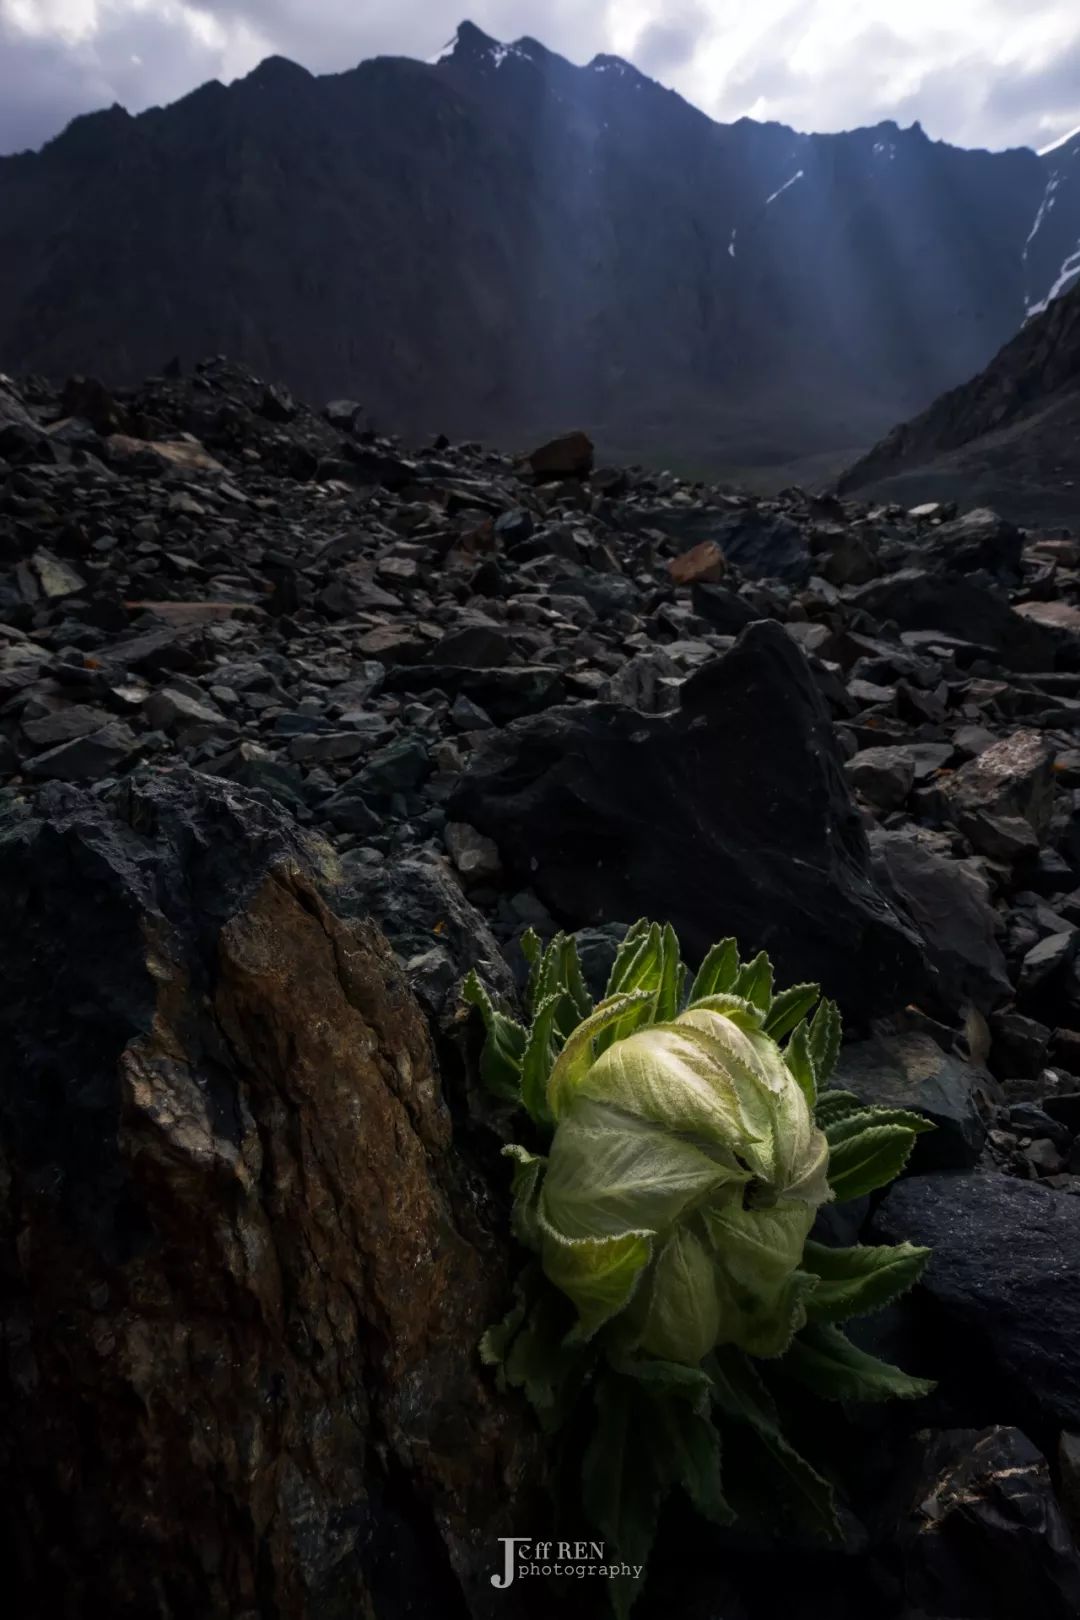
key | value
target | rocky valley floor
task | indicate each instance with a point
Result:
(463, 695)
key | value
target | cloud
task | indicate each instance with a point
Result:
(669, 43)
(978, 72)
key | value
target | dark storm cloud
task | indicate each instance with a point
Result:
(137, 59)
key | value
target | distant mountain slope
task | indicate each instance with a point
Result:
(1010, 437)
(501, 243)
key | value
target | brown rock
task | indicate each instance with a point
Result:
(1052, 615)
(243, 1273)
(703, 564)
(570, 456)
(186, 454)
(195, 613)
(1014, 778)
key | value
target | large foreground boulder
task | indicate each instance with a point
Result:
(730, 817)
(243, 1279)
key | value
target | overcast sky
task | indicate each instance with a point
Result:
(978, 72)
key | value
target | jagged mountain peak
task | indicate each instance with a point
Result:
(278, 70)
(470, 46)
(469, 40)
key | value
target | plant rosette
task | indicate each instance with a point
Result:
(682, 1142)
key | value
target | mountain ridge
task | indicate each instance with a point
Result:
(502, 241)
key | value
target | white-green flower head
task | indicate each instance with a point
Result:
(684, 1176)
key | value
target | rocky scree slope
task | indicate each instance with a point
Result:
(263, 674)
(1008, 437)
(490, 241)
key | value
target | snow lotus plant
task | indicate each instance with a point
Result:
(681, 1143)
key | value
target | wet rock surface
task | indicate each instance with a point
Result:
(1005, 1278)
(268, 682)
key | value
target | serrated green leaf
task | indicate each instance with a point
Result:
(495, 1343)
(742, 1013)
(532, 950)
(690, 1445)
(717, 972)
(798, 1059)
(789, 1008)
(538, 1059)
(742, 1396)
(832, 1105)
(623, 1481)
(611, 1171)
(545, 968)
(870, 1160)
(673, 1378)
(628, 949)
(599, 1275)
(859, 1120)
(739, 1390)
(824, 1360)
(526, 1183)
(826, 1030)
(504, 1046)
(682, 1322)
(641, 977)
(549, 1370)
(559, 974)
(667, 995)
(585, 1045)
(574, 979)
(793, 1481)
(755, 982)
(637, 965)
(856, 1281)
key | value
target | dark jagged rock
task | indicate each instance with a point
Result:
(910, 1071)
(1005, 1276)
(240, 1259)
(983, 1536)
(435, 932)
(919, 599)
(732, 816)
(949, 902)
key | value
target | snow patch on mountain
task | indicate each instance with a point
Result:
(1069, 270)
(780, 191)
(1044, 207)
(1063, 140)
